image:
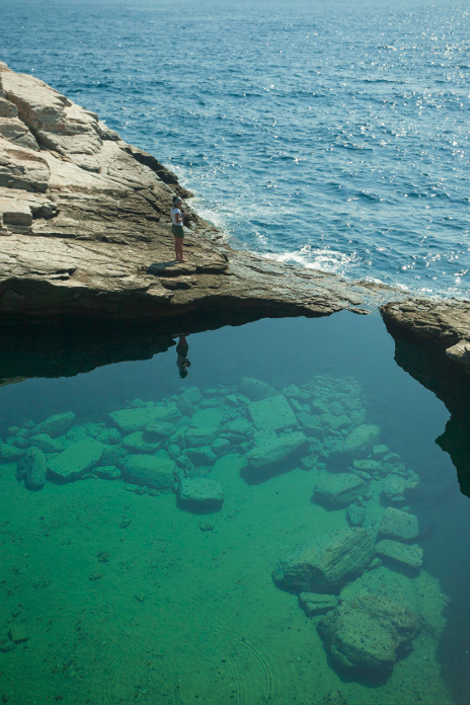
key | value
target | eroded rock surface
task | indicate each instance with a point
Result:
(85, 228)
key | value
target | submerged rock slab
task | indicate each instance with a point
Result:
(32, 468)
(272, 449)
(325, 562)
(364, 634)
(400, 553)
(314, 603)
(76, 459)
(339, 489)
(200, 494)
(151, 470)
(399, 525)
(272, 414)
(361, 439)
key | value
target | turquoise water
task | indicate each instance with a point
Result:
(333, 135)
(115, 591)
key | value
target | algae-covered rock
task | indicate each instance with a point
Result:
(400, 553)
(152, 470)
(339, 489)
(365, 633)
(314, 603)
(32, 468)
(325, 562)
(140, 419)
(362, 439)
(200, 494)
(76, 459)
(271, 449)
(399, 525)
(272, 414)
(56, 425)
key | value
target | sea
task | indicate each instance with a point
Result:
(154, 487)
(329, 134)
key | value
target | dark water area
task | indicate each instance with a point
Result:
(120, 592)
(303, 136)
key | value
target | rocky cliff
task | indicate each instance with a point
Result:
(85, 230)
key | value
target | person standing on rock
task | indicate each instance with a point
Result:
(177, 228)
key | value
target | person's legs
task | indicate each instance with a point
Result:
(176, 248)
(179, 255)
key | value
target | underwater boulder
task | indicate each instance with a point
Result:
(362, 439)
(200, 494)
(9, 453)
(32, 468)
(364, 634)
(56, 425)
(76, 460)
(401, 554)
(326, 562)
(138, 419)
(46, 443)
(138, 442)
(256, 389)
(339, 489)
(397, 524)
(314, 603)
(155, 471)
(272, 414)
(270, 451)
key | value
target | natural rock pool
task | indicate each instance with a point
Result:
(273, 523)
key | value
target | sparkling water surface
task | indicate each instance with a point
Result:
(332, 135)
(125, 596)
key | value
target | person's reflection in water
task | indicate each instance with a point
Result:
(182, 359)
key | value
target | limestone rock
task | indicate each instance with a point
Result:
(362, 439)
(355, 515)
(314, 603)
(32, 468)
(339, 489)
(272, 414)
(46, 443)
(155, 471)
(56, 425)
(107, 472)
(161, 428)
(325, 562)
(143, 418)
(9, 452)
(200, 494)
(365, 633)
(221, 446)
(139, 443)
(400, 525)
(256, 389)
(394, 488)
(368, 465)
(76, 460)
(400, 553)
(271, 449)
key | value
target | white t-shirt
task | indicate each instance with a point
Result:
(174, 212)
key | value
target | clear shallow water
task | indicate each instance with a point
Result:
(126, 597)
(329, 135)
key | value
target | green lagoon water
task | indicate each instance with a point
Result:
(114, 593)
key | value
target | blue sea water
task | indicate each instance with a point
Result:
(330, 134)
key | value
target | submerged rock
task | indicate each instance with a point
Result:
(361, 439)
(272, 414)
(401, 553)
(255, 389)
(32, 468)
(365, 633)
(399, 525)
(271, 449)
(76, 460)
(314, 603)
(326, 562)
(142, 418)
(200, 494)
(335, 697)
(56, 425)
(138, 442)
(46, 443)
(9, 453)
(339, 489)
(151, 470)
